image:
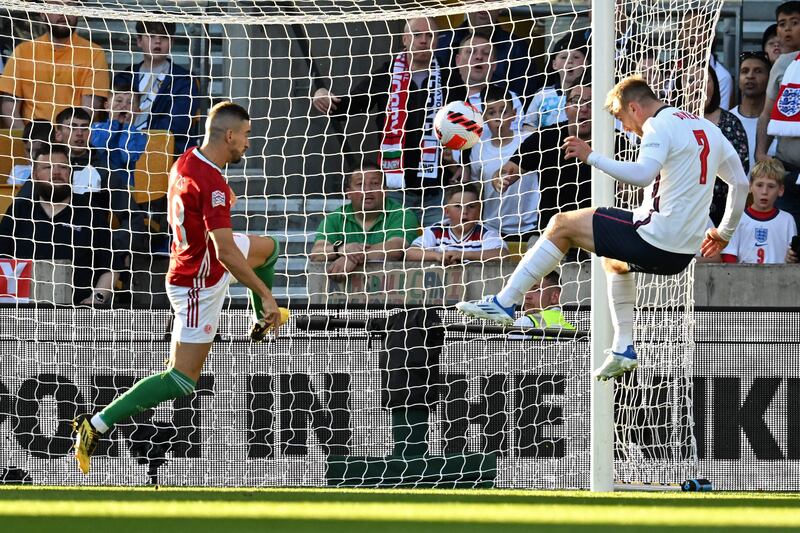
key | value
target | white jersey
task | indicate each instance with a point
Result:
(442, 239)
(690, 150)
(514, 211)
(762, 237)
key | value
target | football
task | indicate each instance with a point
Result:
(458, 125)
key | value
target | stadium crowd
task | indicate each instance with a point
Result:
(86, 130)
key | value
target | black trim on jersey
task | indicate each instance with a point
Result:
(660, 109)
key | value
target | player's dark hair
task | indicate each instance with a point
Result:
(716, 97)
(70, 113)
(154, 27)
(787, 8)
(462, 188)
(221, 115)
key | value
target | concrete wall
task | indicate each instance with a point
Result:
(715, 285)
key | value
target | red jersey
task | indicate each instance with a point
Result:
(199, 202)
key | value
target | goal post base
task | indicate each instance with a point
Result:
(690, 485)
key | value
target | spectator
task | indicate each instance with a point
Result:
(567, 65)
(50, 223)
(72, 128)
(169, 95)
(542, 305)
(513, 213)
(370, 228)
(564, 185)
(33, 83)
(411, 155)
(35, 133)
(121, 135)
(513, 64)
(476, 62)
(779, 119)
(118, 143)
(771, 43)
(753, 76)
(724, 80)
(727, 122)
(464, 238)
(765, 232)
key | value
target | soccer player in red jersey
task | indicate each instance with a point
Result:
(204, 256)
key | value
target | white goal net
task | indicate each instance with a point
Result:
(384, 394)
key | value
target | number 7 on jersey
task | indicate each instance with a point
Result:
(702, 140)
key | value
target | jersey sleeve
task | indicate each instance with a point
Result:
(733, 245)
(492, 241)
(426, 241)
(655, 142)
(215, 204)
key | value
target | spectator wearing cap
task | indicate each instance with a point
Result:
(567, 65)
(58, 69)
(168, 94)
(513, 63)
(771, 43)
(753, 77)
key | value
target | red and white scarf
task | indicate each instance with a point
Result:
(394, 131)
(785, 118)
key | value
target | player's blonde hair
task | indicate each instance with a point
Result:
(769, 168)
(631, 89)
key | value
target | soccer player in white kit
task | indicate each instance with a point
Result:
(679, 158)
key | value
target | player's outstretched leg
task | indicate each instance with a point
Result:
(621, 358)
(146, 393)
(566, 230)
(262, 256)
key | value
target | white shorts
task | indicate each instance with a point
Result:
(197, 309)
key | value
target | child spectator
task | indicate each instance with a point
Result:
(514, 212)
(464, 238)
(771, 43)
(120, 136)
(34, 135)
(765, 232)
(567, 66)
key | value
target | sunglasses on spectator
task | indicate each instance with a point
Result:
(753, 54)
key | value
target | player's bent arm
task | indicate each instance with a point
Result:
(232, 259)
(763, 139)
(640, 173)
(732, 173)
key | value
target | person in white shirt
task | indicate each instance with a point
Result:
(753, 77)
(764, 234)
(512, 212)
(464, 239)
(680, 156)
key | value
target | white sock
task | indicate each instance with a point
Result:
(98, 424)
(538, 262)
(621, 299)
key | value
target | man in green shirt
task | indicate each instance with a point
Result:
(370, 228)
(542, 305)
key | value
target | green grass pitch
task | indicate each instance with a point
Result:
(178, 510)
